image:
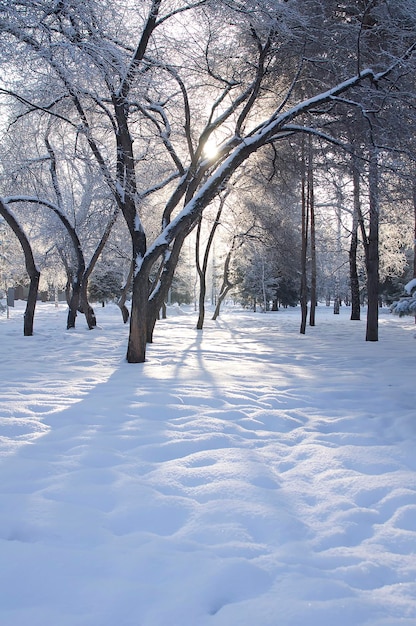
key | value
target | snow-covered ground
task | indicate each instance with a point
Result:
(243, 476)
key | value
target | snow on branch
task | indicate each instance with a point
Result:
(257, 138)
(410, 287)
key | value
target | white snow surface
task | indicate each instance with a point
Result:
(245, 475)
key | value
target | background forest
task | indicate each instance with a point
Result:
(176, 151)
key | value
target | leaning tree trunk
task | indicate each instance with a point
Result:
(85, 306)
(76, 287)
(159, 294)
(372, 251)
(31, 269)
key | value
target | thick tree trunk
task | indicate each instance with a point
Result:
(372, 255)
(31, 304)
(73, 305)
(136, 349)
(84, 305)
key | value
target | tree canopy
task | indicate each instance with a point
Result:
(149, 109)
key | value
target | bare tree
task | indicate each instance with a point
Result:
(141, 92)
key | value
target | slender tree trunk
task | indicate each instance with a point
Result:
(227, 285)
(304, 249)
(202, 270)
(337, 296)
(161, 290)
(202, 278)
(121, 303)
(85, 306)
(313, 237)
(372, 256)
(414, 245)
(354, 281)
(79, 298)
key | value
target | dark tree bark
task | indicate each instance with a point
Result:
(354, 281)
(227, 285)
(76, 284)
(414, 211)
(121, 303)
(202, 180)
(313, 236)
(85, 306)
(372, 250)
(202, 269)
(31, 268)
(304, 248)
(201, 276)
(79, 297)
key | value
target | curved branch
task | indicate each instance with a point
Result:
(32, 270)
(75, 241)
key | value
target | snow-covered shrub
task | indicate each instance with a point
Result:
(407, 303)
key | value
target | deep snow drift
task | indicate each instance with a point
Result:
(243, 476)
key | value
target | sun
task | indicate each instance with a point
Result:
(210, 150)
